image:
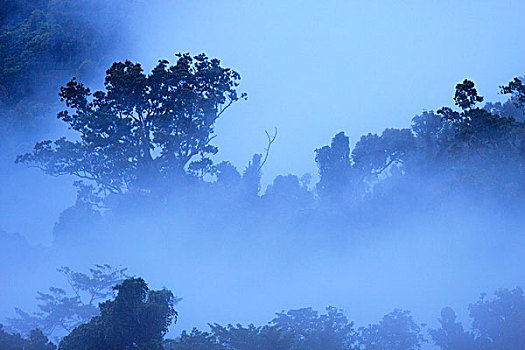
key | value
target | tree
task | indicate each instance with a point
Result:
(396, 331)
(43, 40)
(287, 193)
(233, 338)
(506, 109)
(311, 331)
(138, 318)
(374, 154)
(517, 89)
(35, 341)
(466, 96)
(433, 137)
(143, 130)
(334, 166)
(77, 222)
(499, 323)
(195, 340)
(60, 311)
(352, 174)
(251, 177)
(251, 337)
(227, 175)
(369, 155)
(451, 335)
(302, 329)
(483, 144)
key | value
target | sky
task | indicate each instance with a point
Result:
(314, 68)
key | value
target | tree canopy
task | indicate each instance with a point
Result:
(43, 41)
(138, 318)
(35, 341)
(61, 310)
(143, 129)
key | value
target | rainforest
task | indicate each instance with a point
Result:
(233, 175)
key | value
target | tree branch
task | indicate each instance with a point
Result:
(271, 139)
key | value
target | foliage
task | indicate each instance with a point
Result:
(35, 341)
(61, 311)
(506, 109)
(227, 175)
(195, 340)
(245, 338)
(143, 129)
(151, 135)
(466, 96)
(251, 177)
(374, 154)
(294, 330)
(517, 89)
(497, 323)
(477, 147)
(451, 335)
(334, 166)
(287, 191)
(41, 40)
(313, 331)
(396, 331)
(138, 318)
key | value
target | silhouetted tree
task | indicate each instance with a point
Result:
(61, 311)
(311, 331)
(138, 318)
(195, 340)
(499, 323)
(506, 109)
(43, 40)
(374, 154)
(302, 329)
(334, 167)
(396, 331)
(251, 177)
(287, 193)
(251, 337)
(451, 335)
(35, 341)
(142, 128)
(466, 96)
(517, 89)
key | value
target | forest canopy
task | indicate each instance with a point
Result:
(152, 133)
(138, 318)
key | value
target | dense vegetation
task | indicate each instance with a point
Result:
(42, 44)
(138, 318)
(148, 139)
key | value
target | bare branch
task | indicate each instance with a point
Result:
(271, 139)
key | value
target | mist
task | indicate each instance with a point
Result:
(341, 179)
(313, 69)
